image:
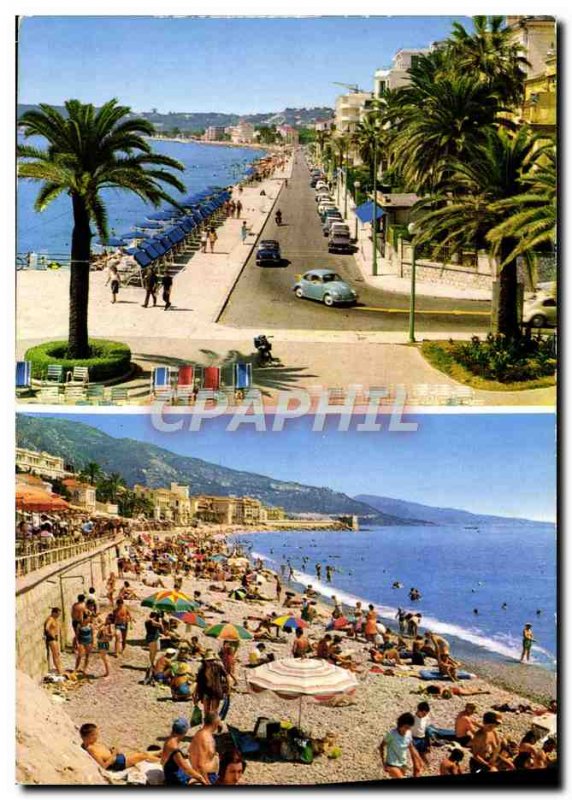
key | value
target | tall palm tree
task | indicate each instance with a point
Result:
(490, 53)
(111, 487)
(473, 201)
(439, 121)
(88, 151)
(92, 472)
(531, 215)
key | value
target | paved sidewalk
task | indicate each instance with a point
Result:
(387, 279)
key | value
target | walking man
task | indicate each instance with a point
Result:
(167, 284)
(243, 232)
(212, 238)
(238, 209)
(150, 286)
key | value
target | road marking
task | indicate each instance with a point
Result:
(455, 312)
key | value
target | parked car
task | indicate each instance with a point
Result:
(340, 242)
(540, 311)
(326, 205)
(326, 286)
(268, 252)
(322, 185)
(323, 195)
(332, 219)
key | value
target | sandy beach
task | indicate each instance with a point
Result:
(131, 715)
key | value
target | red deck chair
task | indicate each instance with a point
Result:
(211, 379)
(185, 383)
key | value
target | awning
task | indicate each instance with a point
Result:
(365, 211)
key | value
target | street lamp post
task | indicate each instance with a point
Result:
(357, 186)
(411, 228)
(374, 211)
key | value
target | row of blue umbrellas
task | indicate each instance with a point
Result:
(165, 229)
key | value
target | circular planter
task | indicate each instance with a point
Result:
(108, 360)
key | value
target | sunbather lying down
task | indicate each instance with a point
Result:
(107, 757)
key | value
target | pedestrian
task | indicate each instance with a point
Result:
(150, 286)
(204, 240)
(115, 281)
(78, 613)
(105, 635)
(167, 284)
(527, 640)
(238, 209)
(231, 208)
(52, 628)
(243, 232)
(212, 238)
(211, 683)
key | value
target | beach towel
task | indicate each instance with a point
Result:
(435, 675)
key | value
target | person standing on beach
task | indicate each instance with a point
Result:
(527, 640)
(167, 284)
(370, 629)
(397, 748)
(212, 683)
(105, 636)
(78, 614)
(329, 571)
(278, 588)
(150, 286)
(318, 571)
(121, 618)
(52, 630)
(212, 238)
(115, 280)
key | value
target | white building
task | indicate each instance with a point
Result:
(349, 110)
(397, 75)
(243, 133)
(537, 37)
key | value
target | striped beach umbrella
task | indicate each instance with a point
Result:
(228, 632)
(191, 618)
(169, 600)
(296, 678)
(287, 621)
(339, 623)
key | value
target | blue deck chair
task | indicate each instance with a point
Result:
(23, 376)
(242, 376)
(161, 387)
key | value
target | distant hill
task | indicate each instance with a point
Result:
(196, 121)
(433, 515)
(154, 466)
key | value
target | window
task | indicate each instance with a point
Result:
(550, 303)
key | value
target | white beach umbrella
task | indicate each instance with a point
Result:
(292, 678)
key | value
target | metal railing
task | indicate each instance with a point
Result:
(31, 556)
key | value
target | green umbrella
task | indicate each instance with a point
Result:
(228, 632)
(169, 600)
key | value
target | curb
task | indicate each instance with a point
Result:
(224, 304)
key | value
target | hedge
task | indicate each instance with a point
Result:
(108, 359)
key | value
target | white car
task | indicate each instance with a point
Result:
(540, 311)
(324, 205)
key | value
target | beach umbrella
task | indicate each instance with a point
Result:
(228, 632)
(296, 678)
(33, 498)
(191, 618)
(287, 621)
(237, 594)
(339, 623)
(170, 600)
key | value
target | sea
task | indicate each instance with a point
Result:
(49, 232)
(458, 571)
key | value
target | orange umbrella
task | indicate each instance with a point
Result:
(32, 498)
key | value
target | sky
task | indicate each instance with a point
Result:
(230, 65)
(486, 463)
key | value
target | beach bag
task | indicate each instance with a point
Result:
(196, 716)
(224, 708)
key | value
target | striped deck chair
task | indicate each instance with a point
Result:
(161, 388)
(185, 388)
(118, 395)
(96, 393)
(73, 393)
(79, 375)
(50, 395)
(55, 373)
(211, 378)
(242, 375)
(23, 376)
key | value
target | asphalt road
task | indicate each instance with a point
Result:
(263, 296)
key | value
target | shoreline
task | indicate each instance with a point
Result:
(534, 681)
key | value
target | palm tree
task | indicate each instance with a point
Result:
(532, 214)
(92, 472)
(111, 486)
(475, 200)
(491, 54)
(439, 121)
(88, 151)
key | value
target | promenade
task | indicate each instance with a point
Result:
(207, 323)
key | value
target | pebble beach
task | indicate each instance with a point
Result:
(131, 715)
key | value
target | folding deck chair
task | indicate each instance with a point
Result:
(161, 388)
(50, 395)
(185, 388)
(74, 393)
(23, 376)
(79, 375)
(55, 373)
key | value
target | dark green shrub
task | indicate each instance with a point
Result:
(507, 360)
(107, 360)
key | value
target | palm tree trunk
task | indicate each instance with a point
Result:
(78, 346)
(507, 311)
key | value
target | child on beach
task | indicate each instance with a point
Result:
(397, 748)
(115, 280)
(108, 757)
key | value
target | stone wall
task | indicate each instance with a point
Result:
(452, 276)
(56, 585)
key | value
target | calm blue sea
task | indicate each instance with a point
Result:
(50, 231)
(456, 570)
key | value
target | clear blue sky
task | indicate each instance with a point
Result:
(211, 64)
(487, 463)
